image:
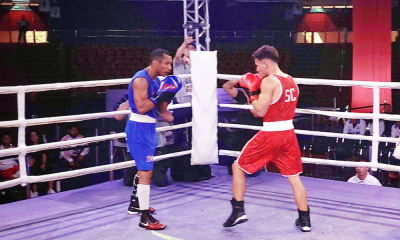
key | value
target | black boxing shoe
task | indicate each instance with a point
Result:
(238, 216)
(304, 222)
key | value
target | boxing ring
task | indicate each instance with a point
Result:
(197, 210)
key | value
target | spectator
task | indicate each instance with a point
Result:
(39, 164)
(9, 168)
(395, 131)
(247, 117)
(182, 65)
(181, 169)
(23, 28)
(355, 126)
(370, 126)
(386, 108)
(363, 176)
(388, 124)
(74, 155)
(32, 106)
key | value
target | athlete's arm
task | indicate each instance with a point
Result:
(124, 106)
(229, 88)
(140, 95)
(268, 87)
(165, 113)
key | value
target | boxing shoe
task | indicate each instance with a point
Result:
(149, 222)
(134, 206)
(304, 222)
(238, 216)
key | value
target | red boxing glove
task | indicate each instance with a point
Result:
(251, 84)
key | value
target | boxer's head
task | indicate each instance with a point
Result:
(266, 60)
(161, 61)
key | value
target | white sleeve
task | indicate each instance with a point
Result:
(395, 131)
(363, 127)
(85, 151)
(371, 128)
(381, 128)
(346, 127)
(351, 180)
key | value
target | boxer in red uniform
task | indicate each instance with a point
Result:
(274, 97)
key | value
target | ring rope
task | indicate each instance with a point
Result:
(62, 86)
(315, 133)
(21, 90)
(83, 141)
(329, 162)
(80, 172)
(76, 118)
(328, 82)
(389, 117)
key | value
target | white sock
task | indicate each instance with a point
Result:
(143, 194)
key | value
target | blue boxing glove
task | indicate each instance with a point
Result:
(168, 88)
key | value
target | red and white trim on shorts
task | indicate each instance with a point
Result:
(237, 159)
(288, 176)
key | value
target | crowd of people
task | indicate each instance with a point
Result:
(42, 162)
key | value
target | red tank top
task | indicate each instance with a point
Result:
(283, 108)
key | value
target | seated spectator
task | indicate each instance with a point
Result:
(9, 168)
(395, 131)
(370, 126)
(363, 176)
(355, 126)
(39, 164)
(386, 108)
(74, 154)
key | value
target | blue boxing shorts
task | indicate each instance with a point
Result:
(142, 143)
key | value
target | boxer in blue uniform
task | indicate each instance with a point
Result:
(148, 97)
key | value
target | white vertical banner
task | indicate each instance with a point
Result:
(204, 107)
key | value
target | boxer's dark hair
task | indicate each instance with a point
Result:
(158, 54)
(266, 52)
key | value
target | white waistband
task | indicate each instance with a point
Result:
(142, 118)
(277, 126)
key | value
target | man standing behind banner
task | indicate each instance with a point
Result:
(182, 65)
(146, 96)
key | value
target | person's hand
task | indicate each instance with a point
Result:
(186, 60)
(43, 167)
(251, 85)
(72, 164)
(167, 90)
(167, 116)
(80, 158)
(188, 40)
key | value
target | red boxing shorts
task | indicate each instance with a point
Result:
(280, 147)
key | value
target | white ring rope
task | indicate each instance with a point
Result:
(349, 115)
(315, 133)
(22, 123)
(329, 162)
(328, 82)
(83, 141)
(75, 118)
(80, 172)
(62, 86)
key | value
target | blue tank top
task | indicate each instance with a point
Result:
(153, 87)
